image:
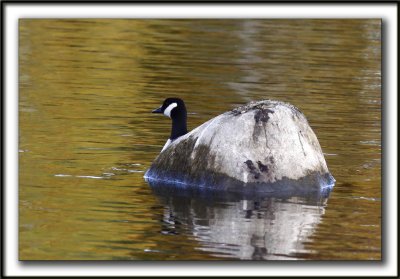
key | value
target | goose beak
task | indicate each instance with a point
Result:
(158, 110)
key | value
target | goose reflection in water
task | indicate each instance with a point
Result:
(269, 227)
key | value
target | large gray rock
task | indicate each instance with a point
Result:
(262, 146)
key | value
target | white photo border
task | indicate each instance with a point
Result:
(12, 11)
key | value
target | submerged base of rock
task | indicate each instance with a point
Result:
(283, 189)
(308, 185)
(227, 193)
(265, 146)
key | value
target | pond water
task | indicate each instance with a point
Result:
(86, 137)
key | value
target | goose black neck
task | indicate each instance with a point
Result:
(178, 127)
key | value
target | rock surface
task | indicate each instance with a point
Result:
(262, 146)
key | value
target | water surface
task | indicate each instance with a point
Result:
(86, 137)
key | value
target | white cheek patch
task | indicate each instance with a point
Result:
(167, 111)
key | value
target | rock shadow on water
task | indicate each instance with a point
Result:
(241, 225)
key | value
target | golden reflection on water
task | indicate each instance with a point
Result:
(86, 135)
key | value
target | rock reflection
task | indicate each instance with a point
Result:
(270, 227)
